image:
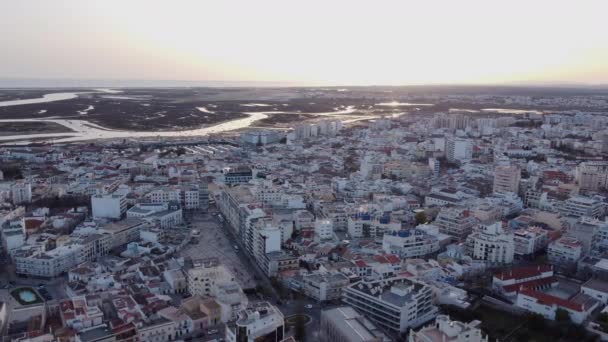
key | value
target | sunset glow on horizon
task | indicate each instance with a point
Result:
(321, 42)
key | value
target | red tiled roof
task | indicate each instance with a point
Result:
(532, 284)
(545, 299)
(393, 259)
(523, 272)
(360, 263)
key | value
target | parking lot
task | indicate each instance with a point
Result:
(212, 242)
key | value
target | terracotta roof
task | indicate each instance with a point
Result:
(545, 299)
(523, 272)
(532, 284)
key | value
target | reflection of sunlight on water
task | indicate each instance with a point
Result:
(404, 104)
(43, 99)
(511, 111)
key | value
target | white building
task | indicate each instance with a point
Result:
(582, 206)
(21, 192)
(260, 137)
(491, 244)
(163, 214)
(411, 243)
(324, 229)
(446, 330)
(260, 322)
(324, 287)
(31, 261)
(579, 307)
(396, 304)
(457, 222)
(564, 251)
(458, 150)
(510, 281)
(109, 206)
(366, 225)
(530, 240)
(190, 197)
(597, 289)
(435, 166)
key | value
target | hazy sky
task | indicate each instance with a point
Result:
(328, 41)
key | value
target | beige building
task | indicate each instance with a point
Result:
(506, 179)
(592, 175)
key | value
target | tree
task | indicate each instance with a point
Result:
(562, 316)
(536, 322)
(602, 320)
(420, 218)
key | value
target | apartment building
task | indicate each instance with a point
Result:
(565, 251)
(458, 150)
(582, 206)
(367, 225)
(206, 275)
(456, 222)
(506, 179)
(445, 329)
(530, 240)
(412, 243)
(111, 206)
(395, 304)
(259, 322)
(21, 192)
(592, 175)
(490, 243)
(324, 287)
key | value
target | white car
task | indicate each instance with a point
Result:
(308, 306)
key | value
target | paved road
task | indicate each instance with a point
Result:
(287, 307)
(212, 242)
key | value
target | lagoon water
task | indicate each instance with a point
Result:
(86, 130)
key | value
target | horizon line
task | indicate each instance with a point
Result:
(27, 82)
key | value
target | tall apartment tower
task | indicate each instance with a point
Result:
(458, 150)
(506, 179)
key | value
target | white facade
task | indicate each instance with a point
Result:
(565, 251)
(546, 305)
(21, 192)
(109, 206)
(324, 229)
(395, 304)
(411, 243)
(434, 165)
(458, 150)
(259, 322)
(446, 330)
(456, 222)
(596, 289)
(492, 244)
(530, 240)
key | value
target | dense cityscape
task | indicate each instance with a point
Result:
(441, 225)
